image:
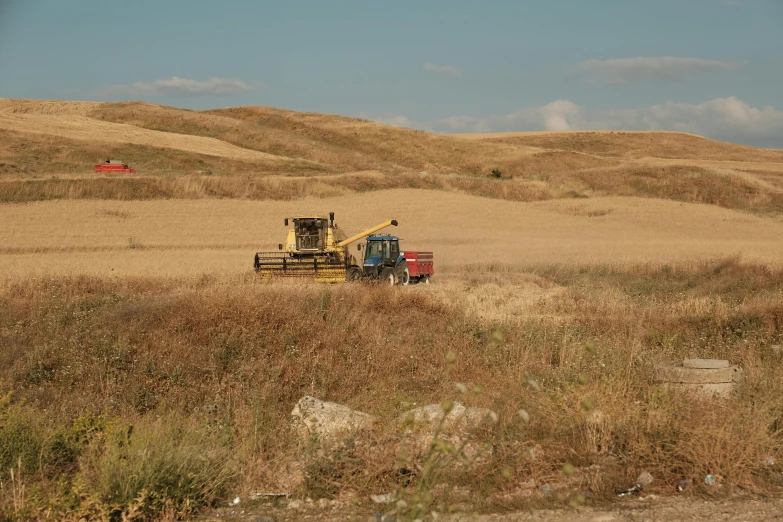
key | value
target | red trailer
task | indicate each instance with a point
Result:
(114, 166)
(420, 266)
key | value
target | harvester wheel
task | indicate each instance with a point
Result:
(387, 276)
(403, 274)
(354, 273)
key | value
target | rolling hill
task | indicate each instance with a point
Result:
(47, 149)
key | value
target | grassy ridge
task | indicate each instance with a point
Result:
(724, 188)
(98, 356)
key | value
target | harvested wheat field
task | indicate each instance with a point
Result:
(219, 237)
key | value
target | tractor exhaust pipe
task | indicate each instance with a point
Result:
(331, 219)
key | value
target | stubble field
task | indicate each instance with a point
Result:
(173, 238)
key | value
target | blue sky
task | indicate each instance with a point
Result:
(714, 67)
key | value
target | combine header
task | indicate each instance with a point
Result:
(317, 249)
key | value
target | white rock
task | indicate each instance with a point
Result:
(385, 498)
(459, 420)
(326, 421)
(707, 364)
(644, 479)
(420, 424)
(295, 504)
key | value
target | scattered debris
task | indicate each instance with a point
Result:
(235, 502)
(633, 490)
(710, 480)
(385, 517)
(768, 460)
(642, 481)
(546, 490)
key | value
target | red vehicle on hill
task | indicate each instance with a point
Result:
(114, 166)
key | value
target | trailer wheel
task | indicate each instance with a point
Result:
(403, 274)
(387, 276)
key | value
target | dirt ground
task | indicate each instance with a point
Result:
(645, 509)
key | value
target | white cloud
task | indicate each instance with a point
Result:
(176, 86)
(722, 118)
(669, 68)
(442, 69)
(396, 120)
(555, 116)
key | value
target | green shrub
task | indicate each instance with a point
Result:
(22, 435)
(159, 466)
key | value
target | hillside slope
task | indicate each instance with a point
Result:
(268, 153)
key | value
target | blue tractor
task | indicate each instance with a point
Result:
(384, 261)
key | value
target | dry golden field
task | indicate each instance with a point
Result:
(146, 374)
(219, 237)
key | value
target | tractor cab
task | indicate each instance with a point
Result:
(381, 252)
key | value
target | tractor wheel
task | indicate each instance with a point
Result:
(403, 274)
(354, 273)
(387, 276)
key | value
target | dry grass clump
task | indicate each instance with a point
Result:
(224, 366)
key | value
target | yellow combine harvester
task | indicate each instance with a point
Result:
(316, 248)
